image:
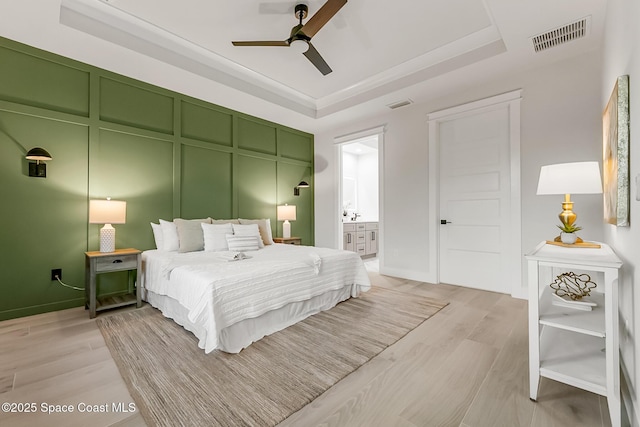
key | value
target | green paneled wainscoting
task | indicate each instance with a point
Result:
(166, 154)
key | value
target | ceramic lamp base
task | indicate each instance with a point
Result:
(286, 229)
(107, 238)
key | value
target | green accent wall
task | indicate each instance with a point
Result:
(166, 154)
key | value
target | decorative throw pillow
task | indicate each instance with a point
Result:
(264, 225)
(157, 236)
(169, 235)
(215, 236)
(224, 221)
(190, 236)
(248, 230)
(242, 243)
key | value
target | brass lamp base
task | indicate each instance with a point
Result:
(567, 216)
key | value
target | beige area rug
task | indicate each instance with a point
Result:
(175, 383)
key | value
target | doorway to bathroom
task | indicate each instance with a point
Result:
(359, 200)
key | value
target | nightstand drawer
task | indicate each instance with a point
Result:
(116, 263)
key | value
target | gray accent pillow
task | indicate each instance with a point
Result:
(190, 236)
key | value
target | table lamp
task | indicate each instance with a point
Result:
(286, 213)
(107, 212)
(567, 179)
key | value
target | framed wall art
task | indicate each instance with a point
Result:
(615, 151)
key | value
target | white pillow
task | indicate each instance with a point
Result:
(264, 225)
(215, 236)
(239, 243)
(169, 235)
(190, 237)
(224, 221)
(157, 236)
(248, 230)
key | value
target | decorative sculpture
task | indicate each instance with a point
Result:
(573, 285)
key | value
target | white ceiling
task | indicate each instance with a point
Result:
(367, 145)
(381, 52)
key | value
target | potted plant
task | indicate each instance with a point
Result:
(568, 233)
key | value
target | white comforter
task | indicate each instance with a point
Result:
(218, 293)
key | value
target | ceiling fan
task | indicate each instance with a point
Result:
(301, 34)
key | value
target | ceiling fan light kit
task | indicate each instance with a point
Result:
(301, 34)
(299, 45)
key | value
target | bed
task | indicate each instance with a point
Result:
(228, 304)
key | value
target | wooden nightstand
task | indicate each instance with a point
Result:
(96, 262)
(288, 240)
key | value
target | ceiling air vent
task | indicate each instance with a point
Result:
(561, 35)
(399, 104)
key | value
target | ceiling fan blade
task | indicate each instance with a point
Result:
(262, 43)
(322, 16)
(315, 58)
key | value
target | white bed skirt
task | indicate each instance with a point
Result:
(240, 335)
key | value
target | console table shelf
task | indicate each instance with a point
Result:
(584, 322)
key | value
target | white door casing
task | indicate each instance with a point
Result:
(474, 175)
(345, 139)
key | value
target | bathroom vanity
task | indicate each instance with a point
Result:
(360, 237)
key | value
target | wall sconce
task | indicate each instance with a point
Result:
(107, 212)
(286, 213)
(296, 190)
(37, 169)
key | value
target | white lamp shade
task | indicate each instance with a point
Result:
(570, 178)
(287, 212)
(107, 212)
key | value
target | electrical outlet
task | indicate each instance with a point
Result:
(56, 272)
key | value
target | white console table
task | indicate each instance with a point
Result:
(575, 347)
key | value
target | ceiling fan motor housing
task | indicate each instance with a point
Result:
(301, 11)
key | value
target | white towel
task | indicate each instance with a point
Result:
(232, 255)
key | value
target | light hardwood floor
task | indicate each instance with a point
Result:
(466, 366)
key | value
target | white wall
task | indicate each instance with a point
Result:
(561, 122)
(349, 182)
(368, 186)
(622, 56)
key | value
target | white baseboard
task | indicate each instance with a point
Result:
(628, 398)
(422, 276)
(402, 273)
(520, 293)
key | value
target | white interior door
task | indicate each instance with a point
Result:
(475, 200)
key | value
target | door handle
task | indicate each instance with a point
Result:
(444, 222)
